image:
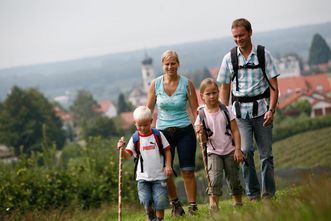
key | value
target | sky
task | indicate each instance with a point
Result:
(40, 31)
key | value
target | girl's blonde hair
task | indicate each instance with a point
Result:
(169, 54)
(207, 82)
(142, 113)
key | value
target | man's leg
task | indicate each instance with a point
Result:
(263, 137)
(252, 185)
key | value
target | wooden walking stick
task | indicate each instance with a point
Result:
(120, 159)
(203, 147)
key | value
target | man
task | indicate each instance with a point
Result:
(254, 98)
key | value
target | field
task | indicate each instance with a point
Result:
(309, 199)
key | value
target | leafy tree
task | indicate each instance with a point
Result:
(84, 108)
(122, 104)
(301, 107)
(26, 117)
(101, 126)
(319, 52)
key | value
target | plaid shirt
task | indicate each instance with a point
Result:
(251, 81)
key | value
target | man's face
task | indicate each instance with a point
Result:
(241, 37)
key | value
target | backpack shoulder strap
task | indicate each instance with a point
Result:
(202, 117)
(235, 65)
(136, 144)
(261, 59)
(226, 113)
(158, 139)
(135, 139)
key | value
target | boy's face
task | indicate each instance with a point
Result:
(144, 126)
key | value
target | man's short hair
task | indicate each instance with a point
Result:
(142, 113)
(242, 22)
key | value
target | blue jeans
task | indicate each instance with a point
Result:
(250, 128)
(153, 193)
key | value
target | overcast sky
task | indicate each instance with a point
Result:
(38, 31)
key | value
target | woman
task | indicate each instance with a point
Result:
(171, 93)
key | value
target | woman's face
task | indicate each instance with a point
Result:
(170, 66)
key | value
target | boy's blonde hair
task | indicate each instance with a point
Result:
(206, 82)
(168, 54)
(142, 113)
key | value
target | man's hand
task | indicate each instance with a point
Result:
(268, 118)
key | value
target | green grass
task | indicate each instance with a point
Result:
(311, 201)
(306, 150)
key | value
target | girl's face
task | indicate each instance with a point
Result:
(144, 126)
(170, 66)
(210, 95)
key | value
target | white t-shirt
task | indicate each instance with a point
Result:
(219, 140)
(152, 159)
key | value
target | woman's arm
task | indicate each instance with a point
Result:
(151, 98)
(192, 99)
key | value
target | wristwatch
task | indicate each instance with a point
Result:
(272, 110)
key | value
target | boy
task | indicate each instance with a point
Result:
(151, 173)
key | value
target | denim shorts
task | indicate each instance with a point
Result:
(153, 193)
(216, 165)
(185, 141)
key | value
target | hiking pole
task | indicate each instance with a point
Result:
(203, 147)
(120, 159)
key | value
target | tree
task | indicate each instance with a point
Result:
(122, 104)
(84, 108)
(26, 118)
(300, 107)
(319, 52)
(101, 126)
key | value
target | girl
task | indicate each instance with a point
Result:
(223, 143)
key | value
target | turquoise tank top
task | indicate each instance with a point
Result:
(171, 110)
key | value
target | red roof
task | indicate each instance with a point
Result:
(104, 106)
(307, 84)
(64, 116)
(127, 118)
(292, 88)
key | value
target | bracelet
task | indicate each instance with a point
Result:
(272, 110)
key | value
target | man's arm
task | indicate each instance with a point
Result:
(225, 93)
(268, 116)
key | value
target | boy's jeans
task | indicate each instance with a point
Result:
(263, 137)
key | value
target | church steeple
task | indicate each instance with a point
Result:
(147, 71)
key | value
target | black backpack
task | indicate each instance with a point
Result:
(207, 130)
(236, 67)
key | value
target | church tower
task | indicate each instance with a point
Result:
(147, 71)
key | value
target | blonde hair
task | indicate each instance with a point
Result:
(169, 54)
(207, 82)
(142, 113)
